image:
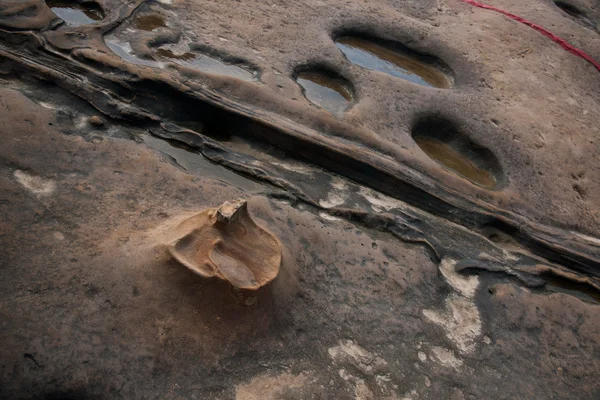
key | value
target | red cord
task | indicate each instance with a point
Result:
(562, 42)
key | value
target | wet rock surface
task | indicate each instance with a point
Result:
(326, 90)
(74, 13)
(393, 59)
(422, 241)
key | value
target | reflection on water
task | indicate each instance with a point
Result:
(124, 51)
(454, 161)
(196, 164)
(149, 22)
(377, 57)
(76, 14)
(201, 62)
(207, 64)
(330, 93)
(169, 55)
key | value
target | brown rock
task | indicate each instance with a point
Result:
(226, 243)
(96, 121)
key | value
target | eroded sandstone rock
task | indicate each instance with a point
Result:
(226, 243)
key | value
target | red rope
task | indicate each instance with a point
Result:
(562, 42)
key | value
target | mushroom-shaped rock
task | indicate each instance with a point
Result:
(226, 243)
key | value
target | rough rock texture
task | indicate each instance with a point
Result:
(226, 243)
(399, 278)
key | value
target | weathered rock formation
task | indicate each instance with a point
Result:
(226, 243)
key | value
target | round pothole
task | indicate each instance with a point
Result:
(396, 60)
(441, 141)
(327, 90)
(76, 13)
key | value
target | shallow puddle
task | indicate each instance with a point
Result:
(149, 22)
(124, 51)
(168, 54)
(76, 14)
(377, 57)
(452, 160)
(188, 59)
(581, 291)
(207, 64)
(196, 164)
(333, 94)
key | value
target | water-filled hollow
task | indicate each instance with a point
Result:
(455, 151)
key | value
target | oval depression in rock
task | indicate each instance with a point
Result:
(456, 152)
(396, 60)
(451, 159)
(207, 64)
(334, 94)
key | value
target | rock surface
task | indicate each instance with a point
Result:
(226, 243)
(391, 272)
